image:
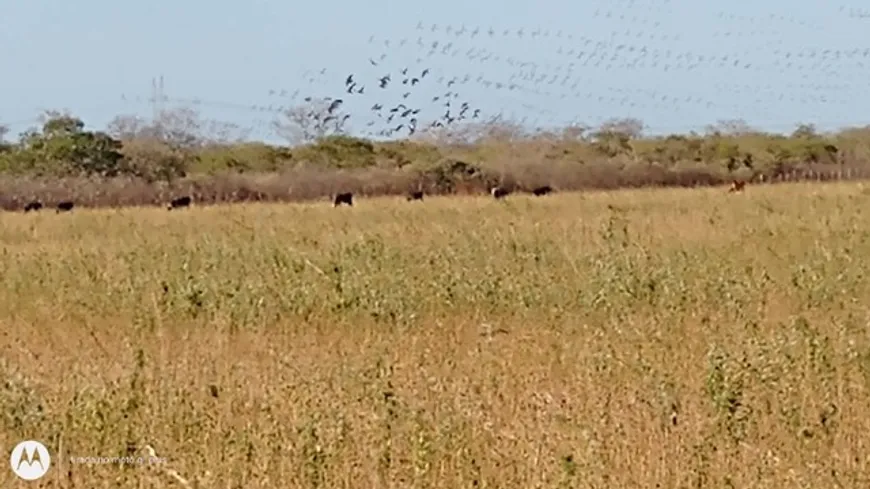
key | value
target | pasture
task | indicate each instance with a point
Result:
(644, 338)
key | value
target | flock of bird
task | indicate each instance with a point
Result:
(435, 75)
(816, 75)
(398, 118)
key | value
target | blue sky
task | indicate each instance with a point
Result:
(678, 65)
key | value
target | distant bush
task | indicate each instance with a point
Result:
(241, 158)
(339, 152)
(153, 160)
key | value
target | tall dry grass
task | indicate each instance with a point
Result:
(679, 338)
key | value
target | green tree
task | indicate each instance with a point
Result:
(64, 147)
(4, 145)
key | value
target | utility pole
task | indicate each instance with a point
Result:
(157, 96)
(156, 99)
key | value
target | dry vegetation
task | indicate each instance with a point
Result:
(641, 338)
(139, 163)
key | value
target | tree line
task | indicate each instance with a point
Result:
(179, 142)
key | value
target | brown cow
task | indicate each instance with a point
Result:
(737, 186)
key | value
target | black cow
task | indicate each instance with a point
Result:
(179, 203)
(33, 206)
(343, 198)
(65, 206)
(415, 196)
(499, 192)
(544, 190)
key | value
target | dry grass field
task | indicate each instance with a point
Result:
(685, 338)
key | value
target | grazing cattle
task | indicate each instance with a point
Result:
(546, 189)
(65, 206)
(498, 192)
(343, 198)
(33, 206)
(737, 186)
(415, 196)
(179, 202)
